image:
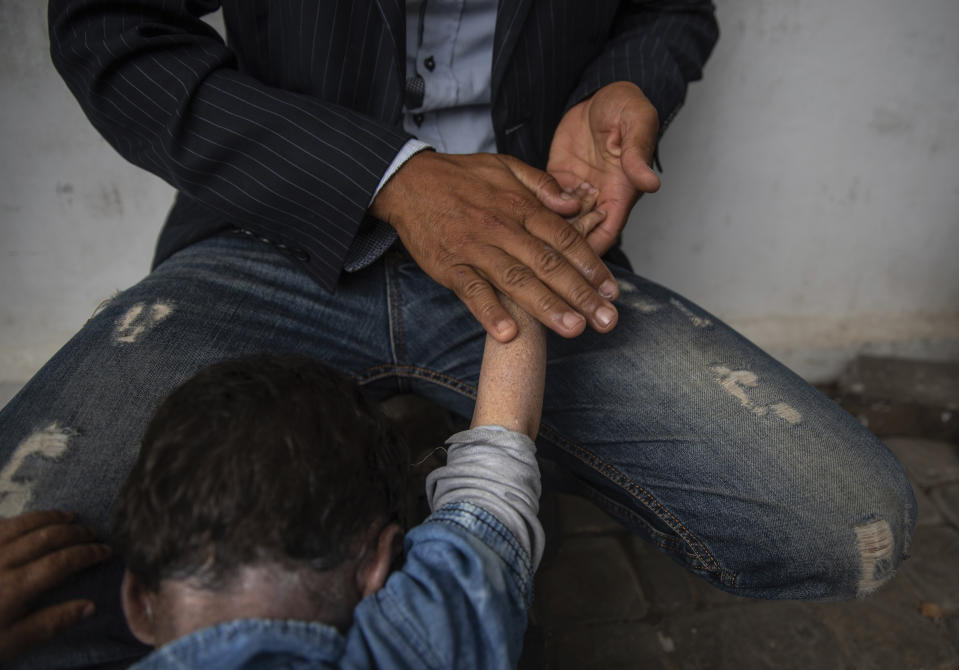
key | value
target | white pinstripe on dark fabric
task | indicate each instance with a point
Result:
(288, 130)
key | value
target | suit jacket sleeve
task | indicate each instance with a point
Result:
(162, 87)
(661, 46)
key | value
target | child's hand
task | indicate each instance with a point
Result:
(38, 550)
(588, 218)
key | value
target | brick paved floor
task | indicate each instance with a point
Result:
(606, 599)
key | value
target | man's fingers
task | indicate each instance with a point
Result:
(517, 278)
(24, 523)
(44, 540)
(43, 573)
(541, 280)
(546, 189)
(481, 300)
(574, 250)
(42, 625)
(478, 223)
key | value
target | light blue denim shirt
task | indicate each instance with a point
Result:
(459, 601)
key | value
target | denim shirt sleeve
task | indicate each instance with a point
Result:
(459, 601)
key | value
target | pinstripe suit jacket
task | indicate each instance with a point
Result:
(287, 129)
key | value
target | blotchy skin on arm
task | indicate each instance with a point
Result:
(511, 381)
(491, 467)
(513, 374)
(512, 377)
(493, 464)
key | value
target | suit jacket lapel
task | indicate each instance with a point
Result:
(510, 17)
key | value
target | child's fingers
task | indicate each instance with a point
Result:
(587, 194)
(588, 218)
(587, 222)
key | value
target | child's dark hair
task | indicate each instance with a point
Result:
(259, 459)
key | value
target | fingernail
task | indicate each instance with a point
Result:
(605, 316)
(88, 610)
(608, 289)
(566, 196)
(572, 320)
(586, 186)
(502, 327)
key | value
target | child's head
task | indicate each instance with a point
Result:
(265, 487)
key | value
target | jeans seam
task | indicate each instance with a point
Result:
(615, 476)
(598, 465)
(674, 544)
(414, 372)
(393, 313)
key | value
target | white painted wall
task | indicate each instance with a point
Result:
(811, 191)
(76, 221)
(811, 186)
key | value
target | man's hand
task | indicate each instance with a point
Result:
(477, 223)
(38, 550)
(608, 140)
(512, 377)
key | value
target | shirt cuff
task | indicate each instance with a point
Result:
(374, 237)
(407, 151)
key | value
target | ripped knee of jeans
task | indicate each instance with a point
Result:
(876, 545)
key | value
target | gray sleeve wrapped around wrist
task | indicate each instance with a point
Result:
(495, 469)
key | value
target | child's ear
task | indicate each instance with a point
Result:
(375, 567)
(139, 604)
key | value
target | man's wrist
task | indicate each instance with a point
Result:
(407, 151)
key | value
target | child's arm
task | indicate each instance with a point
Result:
(493, 465)
(510, 392)
(467, 579)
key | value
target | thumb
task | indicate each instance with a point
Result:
(637, 168)
(546, 189)
(640, 133)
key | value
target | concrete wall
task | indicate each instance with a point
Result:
(811, 187)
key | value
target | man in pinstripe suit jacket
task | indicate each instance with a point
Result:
(287, 132)
(286, 145)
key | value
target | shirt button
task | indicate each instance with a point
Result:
(418, 120)
(429, 63)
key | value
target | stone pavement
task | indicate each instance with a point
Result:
(609, 600)
(606, 599)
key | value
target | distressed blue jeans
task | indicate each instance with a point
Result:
(673, 423)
